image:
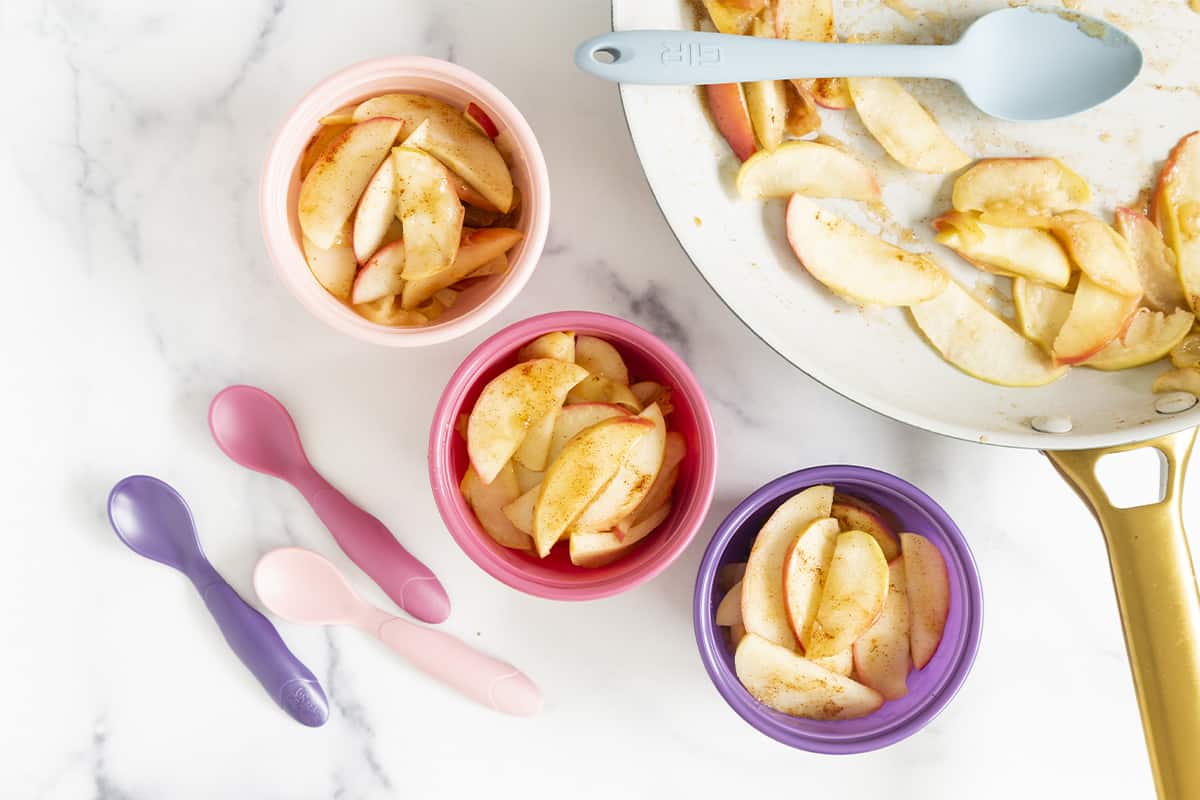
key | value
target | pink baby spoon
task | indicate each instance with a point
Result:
(301, 586)
(256, 431)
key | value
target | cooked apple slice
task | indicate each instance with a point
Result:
(803, 117)
(526, 478)
(766, 101)
(508, 403)
(1151, 335)
(598, 549)
(376, 211)
(727, 105)
(729, 610)
(599, 389)
(1176, 209)
(764, 611)
(1022, 186)
(381, 275)
(573, 419)
(450, 138)
(386, 311)
(343, 116)
(487, 501)
(812, 20)
(477, 247)
(1102, 254)
(841, 663)
(1041, 311)
(1185, 379)
(853, 596)
(1030, 252)
(581, 470)
(928, 590)
(331, 189)
(856, 265)
(534, 451)
(317, 146)
(730, 16)
(859, 516)
(1187, 352)
(1161, 289)
(600, 358)
(881, 655)
(478, 116)
(495, 266)
(729, 574)
(648, 392)
(905, 129)
(332, 266)
(520, 511)
(558, 344)
(804, 569)
(792, 684)
(660, 491)
(1097, 317)
(430, 212)
(981, 344)
(632, 481)
(807, 168)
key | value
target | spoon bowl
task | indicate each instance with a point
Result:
(303, 587)
(154, 521)
(255, 430)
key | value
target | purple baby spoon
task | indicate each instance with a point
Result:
(154, 521)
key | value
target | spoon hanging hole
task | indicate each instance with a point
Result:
(606, 55)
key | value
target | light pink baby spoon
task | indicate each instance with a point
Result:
(301, 586)
(256, 431)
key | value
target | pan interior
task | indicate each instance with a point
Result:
(876, 357)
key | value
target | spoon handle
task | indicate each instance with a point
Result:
(256, 642)
(698, 57)
(486, 680)
(369, 544)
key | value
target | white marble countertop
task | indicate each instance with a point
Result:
(139, 286)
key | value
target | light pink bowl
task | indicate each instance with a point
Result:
(556, 577)
(280, 188)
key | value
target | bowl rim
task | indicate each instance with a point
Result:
(751, 710)
(280, 162)
(445, 484)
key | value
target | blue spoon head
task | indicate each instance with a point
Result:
(1028, 63)
(154, 521)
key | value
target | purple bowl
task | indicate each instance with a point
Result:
(929, 689)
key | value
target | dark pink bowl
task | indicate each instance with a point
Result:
(929, 690)
(555, 577)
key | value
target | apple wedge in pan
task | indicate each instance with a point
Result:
(597, 475)
(821, 624)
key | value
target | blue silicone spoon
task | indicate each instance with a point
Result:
(154, 521)
(1016, 64)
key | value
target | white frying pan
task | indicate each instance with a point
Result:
(877, 358)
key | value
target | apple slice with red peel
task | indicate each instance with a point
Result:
(1151, 335)
(1176, 210)
(728, 575)
(1178, 379)
(558, 344)
(333, 267)
(903, 127)
(727, 104)
(597, 549)
(807, 168)
(468, 195)
(476, 248)
(1155, 262)
(450, 138)
(927, 588)
(582, 469)
(764, 611)
(979, 343)
(1101, 253)
(1029, 187)
(331, 189)
(856, 265)
(632, 481)
(600, 358)
(599, 389)
(881, 655)
(318, 145)
(648, 392)
(1097, 317)
(573, 419)
(534, 451)
(858, 516)
(381, 276)
(660, 491)
(430, 212)
(729, 610)
(487, 501)
(376, 211)
(479, 117)
(794, 685)
(804, 569)
(853, 595)
(1027, 252)
(500, 418)
(1041, 311)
